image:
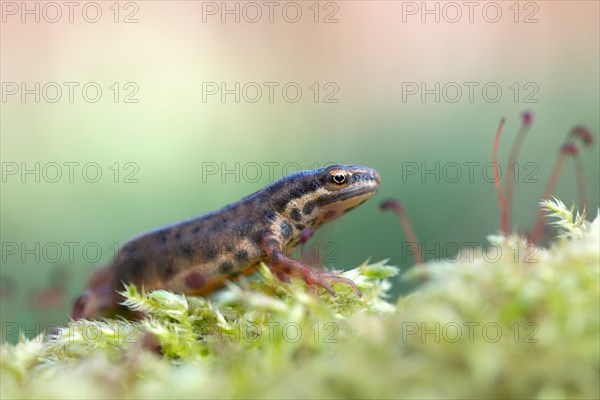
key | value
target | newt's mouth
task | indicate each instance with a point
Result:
(335, 205)
(351, 193)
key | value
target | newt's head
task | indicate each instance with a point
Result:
(311, 198)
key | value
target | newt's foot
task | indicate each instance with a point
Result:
(314, 277)
(283, 267)
(326, 279)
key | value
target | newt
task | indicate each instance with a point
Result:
(197, 256)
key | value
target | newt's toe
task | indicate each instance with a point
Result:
(326, 279)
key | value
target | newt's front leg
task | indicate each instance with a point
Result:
(284, 266)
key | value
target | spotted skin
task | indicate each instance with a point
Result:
(197, 256)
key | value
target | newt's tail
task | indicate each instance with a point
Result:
(99, 297)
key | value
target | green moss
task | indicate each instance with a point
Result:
(497, 323)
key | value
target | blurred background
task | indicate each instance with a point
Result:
(120, 117)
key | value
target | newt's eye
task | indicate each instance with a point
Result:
(338, 178)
